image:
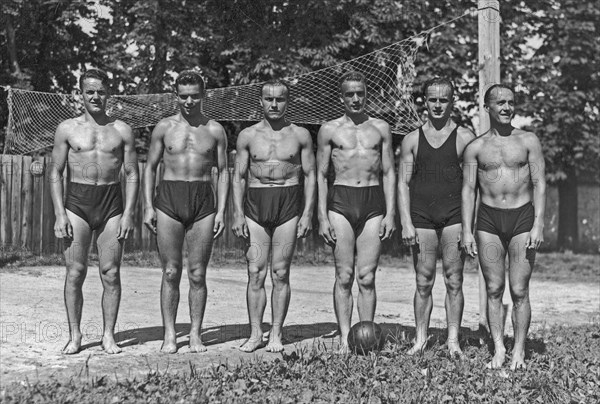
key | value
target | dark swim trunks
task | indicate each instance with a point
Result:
(94, 203)
(357, 204)
(185, 201)
(505, 223)
(436, 184)
(271, 207)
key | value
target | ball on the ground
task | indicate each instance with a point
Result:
(364, 337)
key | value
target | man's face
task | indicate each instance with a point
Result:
(438, 100)
(501, 106)
(95, 95)
(189, 98)
(274, 101)
(354, 97)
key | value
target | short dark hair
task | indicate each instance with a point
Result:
(275, 83)
(488, 92)
(437, 81)
(189, 77)
(352, 75)
(94, 74)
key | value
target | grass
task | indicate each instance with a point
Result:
(563, 367)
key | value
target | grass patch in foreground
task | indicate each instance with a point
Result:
(563, 367)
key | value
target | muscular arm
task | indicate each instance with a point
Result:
(132, 180)
(537, 171)
(154, 155)
(240, 172)
(405, 172)
(323, 159)
(223, 181)
(388, 224)
(468, 197)
(308, 168)
(60, 152)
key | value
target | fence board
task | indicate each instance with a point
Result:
(26, 204)
(6, 184)
(38, 212)
(17, 172)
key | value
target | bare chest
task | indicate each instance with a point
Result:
(102, 139)
(503, 153)
(182, 140)
(360, 141)
(276, 146)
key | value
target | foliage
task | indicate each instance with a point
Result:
(563, 366)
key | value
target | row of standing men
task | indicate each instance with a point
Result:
(444, 172)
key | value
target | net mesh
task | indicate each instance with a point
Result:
(314, 99)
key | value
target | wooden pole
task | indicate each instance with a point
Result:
(488, 17)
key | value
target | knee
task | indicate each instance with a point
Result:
(256, 276)
(519, 293)
(344, 277)
(425, 284)
(366, 277)
(172, 273)
(281, 274)
(454, 283)
(110, 274)
(495, 290)
(197, 277)
(76, 273)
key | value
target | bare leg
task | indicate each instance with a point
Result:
(521, 261)
(170, 237)
(110, 251)
(492, 256)
(76, 255)
(199, 240)
(343, 253)
(257, 256)
(453, 264)
(368, 249)
(424, 258)
(283, 244)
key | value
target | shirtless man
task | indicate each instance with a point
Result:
(358, 213)
(185, 208)
(507, 166)
(272, 155)
(95, 146)
(429, 202)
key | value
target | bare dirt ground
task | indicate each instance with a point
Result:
(33, 327)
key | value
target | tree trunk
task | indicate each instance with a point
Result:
(11, 44)
(568, 226)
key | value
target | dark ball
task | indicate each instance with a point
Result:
(364, 337)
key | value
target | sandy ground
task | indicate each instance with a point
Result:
(33, 327)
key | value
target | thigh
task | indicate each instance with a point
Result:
(258, 248)
(425, 256)
(343, 251)
(199, 240)
(491, 254)
(284, 243)
(170, 235)
(451, 253)
(368, 246)
(520, 262)
(110, 248)
(76, 249)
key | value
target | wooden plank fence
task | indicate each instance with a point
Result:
(27, 214)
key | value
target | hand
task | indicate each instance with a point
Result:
(327, 232)
(240, 227)
(535, 238)
(150, 219)
(468, 243)
(219, 225)
(387, 227)
(63, 227)
(125, 227)
(409, 235)
(304, 226)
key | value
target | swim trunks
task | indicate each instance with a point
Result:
(94, 203)
(436, 184)
(505, 223)
(271, 207)
(185, 201)
(357, 204)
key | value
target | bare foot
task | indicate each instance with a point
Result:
(73, 346)
(343, 349)
(419, 347)
(453, 347)
(275, 345)
(518, 361)
(169, 345)
(497, 360)
(251, 344)
(109, 345)
(196, 345)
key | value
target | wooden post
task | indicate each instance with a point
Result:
(489, 73)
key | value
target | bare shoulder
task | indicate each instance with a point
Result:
(66, 126)
(476, 143)
(329, 127)
(215, 128)
(411, 139)
(301, 133)
(380, 124)
(246, 135)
